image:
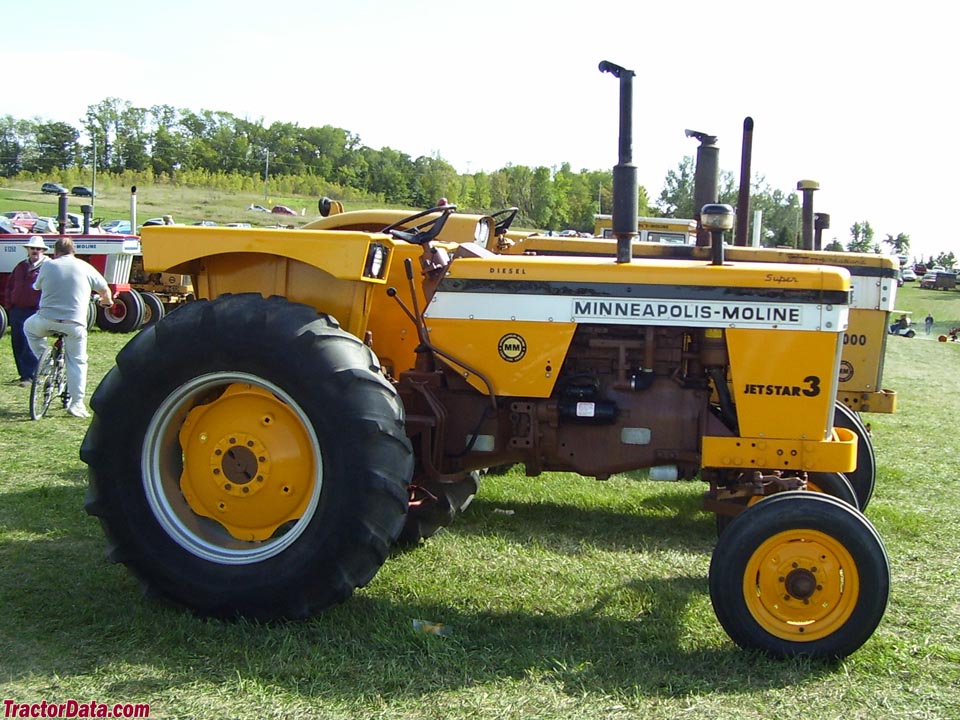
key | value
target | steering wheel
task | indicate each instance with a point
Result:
(503, 218)
(421, 234)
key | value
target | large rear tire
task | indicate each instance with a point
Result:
(4, 322)
(864, 477)
(262, 469)
(800, 573)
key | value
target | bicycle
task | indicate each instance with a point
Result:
(50, 380)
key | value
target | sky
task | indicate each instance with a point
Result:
(854, 95)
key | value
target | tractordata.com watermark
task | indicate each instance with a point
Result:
(74, 709)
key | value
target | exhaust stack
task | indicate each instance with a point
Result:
(743, 198)
(706, 180)
(807, 187)
(624, 172)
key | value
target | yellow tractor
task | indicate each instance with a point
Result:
(343, 387)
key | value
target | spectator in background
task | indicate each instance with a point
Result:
(21, 302)
(65, 284)
(928, 323)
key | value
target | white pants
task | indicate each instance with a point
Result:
(38, 329)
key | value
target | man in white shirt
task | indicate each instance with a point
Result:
(65, 284)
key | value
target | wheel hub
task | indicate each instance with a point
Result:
(801, 583)
(248, 462)
(240, 464)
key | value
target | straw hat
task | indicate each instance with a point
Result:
(36, 242)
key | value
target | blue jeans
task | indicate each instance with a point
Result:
(22, 354)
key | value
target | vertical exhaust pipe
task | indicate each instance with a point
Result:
(821, 222)
(807, 187)
(133, 209)
(624, 172)
(62, 212)
(743, 197)
(706, 180)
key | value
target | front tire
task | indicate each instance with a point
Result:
(263, 472)
(800, 574)
(153, 310)
(125, 315)
(833, 484)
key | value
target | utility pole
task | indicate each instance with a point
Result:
(266, 175)
(93, 184)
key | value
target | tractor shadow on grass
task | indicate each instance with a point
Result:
(71, 613)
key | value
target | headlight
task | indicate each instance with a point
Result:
(481, 233)
(376, 261)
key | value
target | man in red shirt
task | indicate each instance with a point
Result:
(21, 302)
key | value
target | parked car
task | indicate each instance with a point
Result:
(23, 219)
(909, 275)
(55, 188)
(81, 191)
(939, 280)
(205, 223)
(258, 208)
(282, 210)
(116, 226)
(7, 227)
(239, 225)
(52, 224)
(46, 225)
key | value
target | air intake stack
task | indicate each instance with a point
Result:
(624, 172)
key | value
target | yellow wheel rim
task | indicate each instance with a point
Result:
(801, 585)
(248, 462)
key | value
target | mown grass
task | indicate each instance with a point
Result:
(186, 204)
(561, 597)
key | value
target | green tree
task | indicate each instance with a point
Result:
(899, 244)
(133, 139)
(947, 260)
(57, 146)
(861, 237)
(11, 147)
(103, 123)
(676, 198)
(542, 201)
(387, 173)
(780, 214)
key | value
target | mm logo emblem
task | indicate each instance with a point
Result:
(846, 371)
(512, 347)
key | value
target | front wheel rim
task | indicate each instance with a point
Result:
(232, 468)
(801, 585)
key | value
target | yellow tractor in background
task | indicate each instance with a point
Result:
(334, 391)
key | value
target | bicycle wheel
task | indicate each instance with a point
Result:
(45, 384)
(60, 378)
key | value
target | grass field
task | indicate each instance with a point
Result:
(186, 204)
(562, 597)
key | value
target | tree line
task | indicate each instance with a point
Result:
(219, 150)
